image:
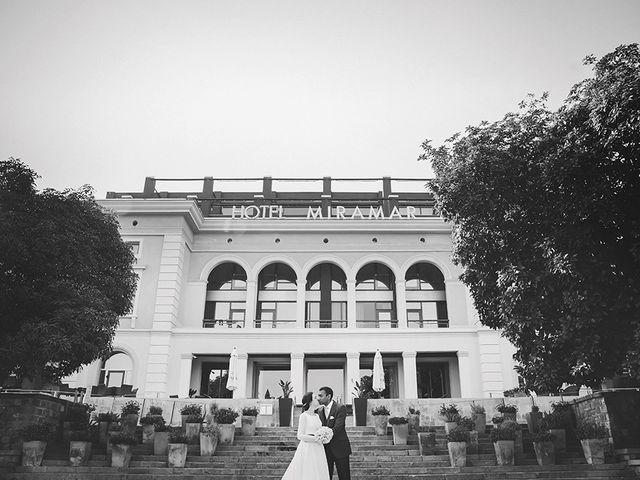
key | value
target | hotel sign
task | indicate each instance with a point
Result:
(339, 212)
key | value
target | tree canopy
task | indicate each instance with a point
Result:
(546, 213)
(65, 277)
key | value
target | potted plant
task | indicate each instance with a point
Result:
(35, 438)
(148, 429)
(479, 417)
(104, 420)
(154, 411)
(210, 417)
(544, 448)
(160, 438)
(470, 425)
(129, 416)
(192, 428)
(249, 420)
(533, 418)
(363, 391)
(189, 409)
(177, 448)
(225, 418)
(114, 430)
(80, 447)
(77, 417)
(121, 445)
(209, 435)
(457, 440)
(285, 404)
(451, 416)
(414, 420)
(503, 437)
(554, 422)
(427, 442)
(380, 419)
(507, 410)
(593, 437)
(400, 429)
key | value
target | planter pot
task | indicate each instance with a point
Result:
(129, 423)
(103, 429)
(360, 409)
(505, 451)
(380, 424)
(79, 453)
(448, 426)
(148, 432)
(457, 453)
(427, 443)
(414, 423)
(121, 456)
(249, 425)
(533, 421)
(509, 416)
(560, 441)
(285, 406)
(227, 433)
(208, 444)
(480, 420)
(32, 453)
(593, 449)
(177, 455)
(192, 430)
(472, 446)
(545, 453)
(183, 423)
(160, 443)
(400, 433)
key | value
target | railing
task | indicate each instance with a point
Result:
(223, 323)
(377, 324)
(325, 324)
(428, 323)
(275, 324)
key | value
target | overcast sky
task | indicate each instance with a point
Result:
(108, 92)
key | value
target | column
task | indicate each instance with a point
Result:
(184, 380)
(410, 375)
(250, 305)
(300, 304)
(241, 391)
(351, 304)
(297, 375)
(401, 304)
(353, 374)
(464, 370)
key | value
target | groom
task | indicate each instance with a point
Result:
(338, 449)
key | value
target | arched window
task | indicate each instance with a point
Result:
(376, 297)
(117, 369)
(326, 297)
(426, 297)
(226, 297)
(277, 295)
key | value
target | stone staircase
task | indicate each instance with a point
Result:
(267, 455)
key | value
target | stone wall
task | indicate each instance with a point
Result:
(17, 411)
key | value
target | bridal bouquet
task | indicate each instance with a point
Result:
(324, 434)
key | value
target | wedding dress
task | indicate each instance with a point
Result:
(309, 461)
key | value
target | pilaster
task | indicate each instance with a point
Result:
(410, 375)
(353, 374)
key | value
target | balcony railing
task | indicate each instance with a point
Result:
(223, 323)
(275, 324)
(428, 323)
(377, 324)
(325, 324)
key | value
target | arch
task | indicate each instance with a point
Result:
(424, 274)
(263, 262)
(374, 259)
(337, 261)
(213, 263)
(120, 350)
(227, 274)
(443, 267)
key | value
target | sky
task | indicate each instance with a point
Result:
(108, 92)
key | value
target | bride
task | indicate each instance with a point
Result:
(309, 461)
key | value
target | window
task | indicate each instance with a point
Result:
(326, 274)
(270, 314)
(420, 314)
(277, 276)
(227, 276)
(375, 276)
(424, 276)
(224, 314)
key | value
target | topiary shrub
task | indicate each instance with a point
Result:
(449, 413)
(225, 416)
(155, 411)
(191, 409)
(250, 411)
(398, 421)
(459, 434)
(380, 410)
(131, 408)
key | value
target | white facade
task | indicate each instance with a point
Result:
(178, 248)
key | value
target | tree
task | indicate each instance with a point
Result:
(544, 206)
(65, 277)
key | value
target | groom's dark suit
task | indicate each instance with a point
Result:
(339, 448)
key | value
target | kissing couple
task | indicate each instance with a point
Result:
(323, 440)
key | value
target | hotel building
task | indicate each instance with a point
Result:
(307, 278)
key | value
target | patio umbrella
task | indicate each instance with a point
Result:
(378, 373)
(232, 378)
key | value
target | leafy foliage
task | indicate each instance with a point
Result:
(413, 411)
(250, 411)
(547, 229)
(459, 434)
(123, 439)
(108, 417)
(542, 436)
(153, 410)
(506, 408)
(286, 387)
(449, 413)
(588, 428)
(477, 409)
(191, 409)
(380, 410)
(65, 278)
(36, 432)
(398, 421)
(504, 431)
(225, 416)
(176, 435)
(467, 423)
(130, 408)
